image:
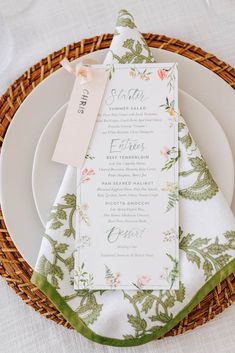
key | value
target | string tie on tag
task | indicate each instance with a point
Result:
(82, 72)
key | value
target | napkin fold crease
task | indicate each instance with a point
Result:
(206, 241)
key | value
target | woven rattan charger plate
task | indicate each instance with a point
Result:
(13, 268)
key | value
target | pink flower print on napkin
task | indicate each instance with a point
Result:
(143, 280)
(162, 73)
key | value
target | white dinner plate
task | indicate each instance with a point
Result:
(19, 145)
(47, 175)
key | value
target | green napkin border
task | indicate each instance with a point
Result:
(72, 317)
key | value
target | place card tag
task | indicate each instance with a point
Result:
(81, 114)
(127, 191)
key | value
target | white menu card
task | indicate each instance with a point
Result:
(127, 191)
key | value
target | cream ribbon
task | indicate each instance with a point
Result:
(82, 72)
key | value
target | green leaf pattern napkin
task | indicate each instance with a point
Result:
(206, 240)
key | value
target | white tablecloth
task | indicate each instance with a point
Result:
(47, 26)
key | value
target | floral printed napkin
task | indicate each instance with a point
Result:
(206, 240)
